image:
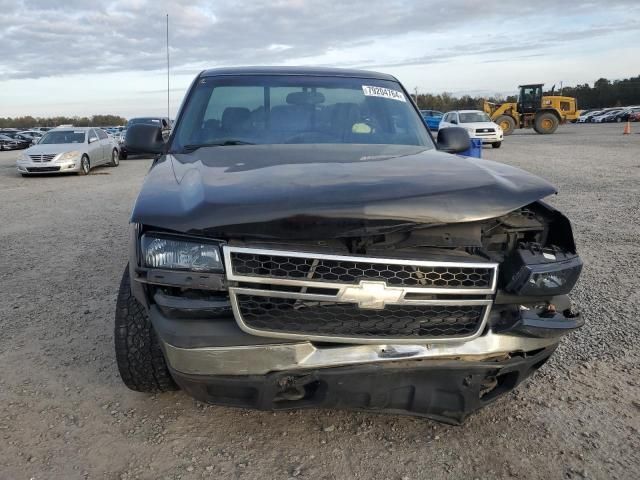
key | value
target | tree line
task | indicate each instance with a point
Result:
(93, 121)
(604, 93)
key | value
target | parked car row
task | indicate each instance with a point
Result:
(114, 130)
(10, 143)
(69, 149)
(15, 139)
(606, 115)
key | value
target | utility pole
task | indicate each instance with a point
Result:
(168, 112)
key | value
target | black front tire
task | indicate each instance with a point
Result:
(496, 144)
(85, 166)
(115, 158)
(138, 353)
(123, 155)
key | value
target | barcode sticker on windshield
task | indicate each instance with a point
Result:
(383, 92)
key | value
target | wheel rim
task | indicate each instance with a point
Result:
(114, 157)
(85, 165)
(504, 125)
(547, 124)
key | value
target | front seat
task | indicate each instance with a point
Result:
(234, 120)
(343, 117)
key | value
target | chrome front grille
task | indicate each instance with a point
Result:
(40, 158)
(357, 299)
(341, 271)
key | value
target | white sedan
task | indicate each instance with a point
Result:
(477, 124)
(73, 149)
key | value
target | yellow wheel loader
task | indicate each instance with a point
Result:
(534, 110)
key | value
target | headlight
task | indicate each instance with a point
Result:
(175, 254)
(470, 131)
(24, 158)
(69, 156)
(541, 272)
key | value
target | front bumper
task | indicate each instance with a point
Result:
(30, 168)
(271, 356)
(443, 390)
(489, 137)
(445, 382)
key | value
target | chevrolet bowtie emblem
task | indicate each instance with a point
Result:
(373, 295)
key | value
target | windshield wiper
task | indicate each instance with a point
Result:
(221, 143)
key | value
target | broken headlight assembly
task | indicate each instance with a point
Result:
(536, 271)
(178, 253)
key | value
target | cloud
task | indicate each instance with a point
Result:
(42, 38)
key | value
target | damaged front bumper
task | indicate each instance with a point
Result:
(262, 359)
(442, 381)
(444, 390)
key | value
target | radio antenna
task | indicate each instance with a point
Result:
(168, 112)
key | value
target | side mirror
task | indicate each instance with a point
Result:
(453, 140)
(454, 121)
(93, 139)
(143, 138)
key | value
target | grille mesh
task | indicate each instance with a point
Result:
(42, 169)
(345, 319)
(340, 271)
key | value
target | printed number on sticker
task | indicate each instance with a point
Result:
(383, 92)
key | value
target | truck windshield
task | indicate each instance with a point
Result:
(236, 110)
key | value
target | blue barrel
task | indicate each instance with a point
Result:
(475, 148)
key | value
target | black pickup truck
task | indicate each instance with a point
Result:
(301, 241)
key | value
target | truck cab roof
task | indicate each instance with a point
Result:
(301, 71)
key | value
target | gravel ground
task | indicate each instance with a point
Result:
(65, 414)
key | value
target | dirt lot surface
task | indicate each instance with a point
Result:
(65, 414)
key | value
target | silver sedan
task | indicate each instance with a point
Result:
(69, 149)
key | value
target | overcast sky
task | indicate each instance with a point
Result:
(78, 57)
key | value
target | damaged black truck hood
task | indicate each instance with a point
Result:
(298, 190)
